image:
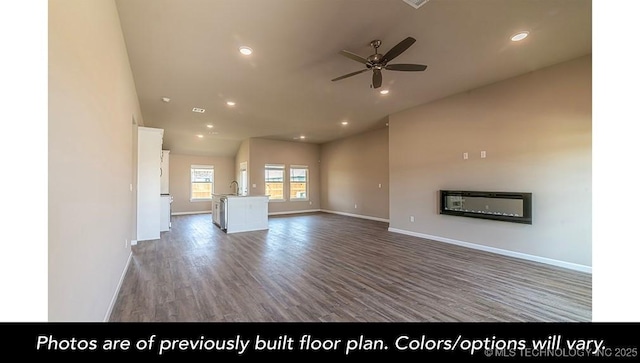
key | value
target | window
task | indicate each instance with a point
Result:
(298, 176)
(274, 181)
(201, 182)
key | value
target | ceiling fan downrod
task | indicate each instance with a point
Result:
(374, 59)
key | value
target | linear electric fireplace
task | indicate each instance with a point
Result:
(501, 206)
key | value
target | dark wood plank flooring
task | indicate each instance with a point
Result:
(324, 267)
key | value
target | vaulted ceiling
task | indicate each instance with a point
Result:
(187, 51)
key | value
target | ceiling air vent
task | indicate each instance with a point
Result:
(416, 3)
(198, 110)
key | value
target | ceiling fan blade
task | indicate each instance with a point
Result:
(349, 75)
(398, 49)
(406, 67)
(353, 56)
(377, 78)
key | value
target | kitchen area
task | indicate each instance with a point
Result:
(235, 212)
(232, 212)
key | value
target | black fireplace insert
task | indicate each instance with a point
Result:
(501, 206)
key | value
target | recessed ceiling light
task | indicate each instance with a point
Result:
(246, 50)
(198, 110)
(302, 137)
(231, 103)
(519, 36)
(384, 92)
(344, 123)
(200, 136)
(166, 99)
(210, 126)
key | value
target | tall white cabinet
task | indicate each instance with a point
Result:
(148, 188)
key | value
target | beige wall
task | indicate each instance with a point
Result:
(180, 180)
(354, 171)
(536, 130)
(92, 100)
(243, 156)
(264, 151)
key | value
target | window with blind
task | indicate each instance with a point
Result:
(201, 182)
(298, 182)
(274, 181)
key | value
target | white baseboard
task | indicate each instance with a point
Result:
(196, 212)
(115, 294)
(134, 242)
(295, 212)
(355, 215)
(500, 251)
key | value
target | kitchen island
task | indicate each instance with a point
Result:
(233, 213)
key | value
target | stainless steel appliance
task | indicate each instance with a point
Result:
(223, 213)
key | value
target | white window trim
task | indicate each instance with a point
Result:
(306, 167)
(191, 199)
(282, 167)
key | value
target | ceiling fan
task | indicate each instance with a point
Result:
(377, 62)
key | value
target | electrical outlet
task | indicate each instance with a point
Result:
(379, 185)
(310, 202)
(130, 187)
(412, 219)
(483, 154)
(355, 206)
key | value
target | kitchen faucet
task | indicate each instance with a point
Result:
(237, 187)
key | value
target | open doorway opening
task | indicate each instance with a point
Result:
(244, 182)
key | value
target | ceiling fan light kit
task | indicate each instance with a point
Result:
(378, 62)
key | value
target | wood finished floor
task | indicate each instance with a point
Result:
(324, 267)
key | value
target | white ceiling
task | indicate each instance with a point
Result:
(187, 50)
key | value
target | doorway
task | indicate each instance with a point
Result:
(244, 182)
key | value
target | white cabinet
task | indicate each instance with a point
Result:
(247, 213)
(164, 172)
(148, 188)
(165, 212)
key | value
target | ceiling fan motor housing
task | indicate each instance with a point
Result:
(375, 58)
